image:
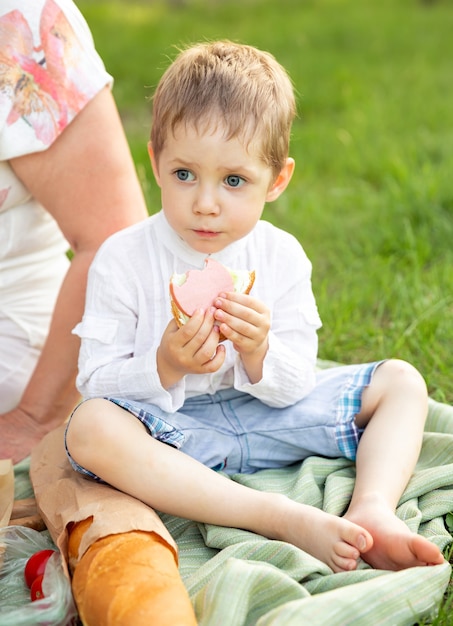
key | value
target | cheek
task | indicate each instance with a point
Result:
(246, 219)
(174, 210)
(170, 198)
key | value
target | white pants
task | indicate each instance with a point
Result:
(17, 362)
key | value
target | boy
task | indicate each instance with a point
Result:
(222, 117)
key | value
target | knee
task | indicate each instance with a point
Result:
(87, 427)
(403, 377)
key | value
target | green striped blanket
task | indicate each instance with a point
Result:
(237, 578)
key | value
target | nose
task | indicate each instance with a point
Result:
(206, 201)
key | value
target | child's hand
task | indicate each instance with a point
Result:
(192, 349)
(246, 322)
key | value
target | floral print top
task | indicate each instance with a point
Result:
(49, 70)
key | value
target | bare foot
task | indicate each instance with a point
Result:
(395, 547)
(331, 539)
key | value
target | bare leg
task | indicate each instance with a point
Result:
(394, 410)
(110, 442)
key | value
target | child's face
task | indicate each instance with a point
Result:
(213, 189)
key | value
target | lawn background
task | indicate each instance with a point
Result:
(372, 197)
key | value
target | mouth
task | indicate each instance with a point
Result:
(206, 234)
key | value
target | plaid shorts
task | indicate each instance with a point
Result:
(349, 404)
(234, 432)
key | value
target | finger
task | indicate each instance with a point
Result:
(207, 326)
(243, 299)
(203, 327)
(189, 330)
(232, 307)
(235, 329)
(206, 351)
(233, 313)
(239, 340)
(242, 322)
(216, 361)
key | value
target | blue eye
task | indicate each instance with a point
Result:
(184, 175)
(234, 180)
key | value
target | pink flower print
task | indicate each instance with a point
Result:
(64, 58)
(25, 86)
(35, 99)
(16, 34)
(45, 86)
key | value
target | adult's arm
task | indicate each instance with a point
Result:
(87, 181)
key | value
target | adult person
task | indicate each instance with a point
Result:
(67, 181)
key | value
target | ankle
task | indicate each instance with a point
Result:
(370, 501)
(274, 516)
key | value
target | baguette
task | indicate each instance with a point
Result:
(127, 579)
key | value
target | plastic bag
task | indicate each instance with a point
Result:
(57, 608)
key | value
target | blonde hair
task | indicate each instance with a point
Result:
(239, 87)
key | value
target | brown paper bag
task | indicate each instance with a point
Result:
(64, 497)
(6, 491)
(6, 497)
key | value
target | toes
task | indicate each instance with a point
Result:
(358, 537)
(425, 551)
(343, 564)
(353, 541)
(346, 551)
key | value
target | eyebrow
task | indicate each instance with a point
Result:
(183, 163)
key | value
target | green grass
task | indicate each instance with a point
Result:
(372, 196)
(372, 199)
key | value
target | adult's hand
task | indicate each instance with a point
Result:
(19, 434)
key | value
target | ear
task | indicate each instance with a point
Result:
(282, 180)
(153, 163)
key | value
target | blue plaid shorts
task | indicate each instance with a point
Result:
(349, 404)
(234, 432)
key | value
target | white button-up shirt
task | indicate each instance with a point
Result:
(128, 308)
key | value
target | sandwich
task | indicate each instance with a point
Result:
(197, 289)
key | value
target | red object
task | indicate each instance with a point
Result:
(36, 592)
(36, 565)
